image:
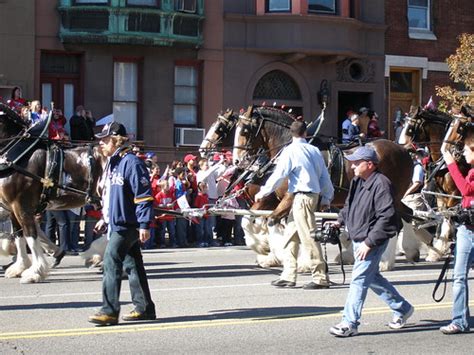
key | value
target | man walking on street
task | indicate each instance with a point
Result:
(370, 219)
(308, 179)
(127, 210)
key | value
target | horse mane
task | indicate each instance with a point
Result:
(434, 116)
(280, 116)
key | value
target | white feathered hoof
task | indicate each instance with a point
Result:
(16, 269)
(31, 276)
(259, 246)
(433, 256)
(268, 261)
(386, 265)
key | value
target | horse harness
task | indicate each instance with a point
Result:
(17, 150)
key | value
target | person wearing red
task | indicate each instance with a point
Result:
(16, 102)
(204, 234)
(373, 130)
(464, 251)
(56, 126)
(166, 199)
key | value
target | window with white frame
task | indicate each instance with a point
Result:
(322, 6)
(126, 95)
(419, 14)
(185, 5)
(185, 95)
(278, 5)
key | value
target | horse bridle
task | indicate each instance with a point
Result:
(225, 126)
(458, 143)
(415, 125)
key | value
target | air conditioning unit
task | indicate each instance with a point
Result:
(189, 136)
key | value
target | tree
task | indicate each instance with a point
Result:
(461, 67)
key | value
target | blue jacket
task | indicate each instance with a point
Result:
(131, 201)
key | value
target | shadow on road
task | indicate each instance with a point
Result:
(57, 305)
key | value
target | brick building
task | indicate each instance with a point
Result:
(420, 35)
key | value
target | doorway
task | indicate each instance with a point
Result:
(350, 100)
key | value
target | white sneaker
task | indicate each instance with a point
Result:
(343, 329)
(399, 322)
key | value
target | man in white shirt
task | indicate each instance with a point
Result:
(308, 179)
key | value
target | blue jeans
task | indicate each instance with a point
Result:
(464, 257)
(181, 231)
(59, 218)
(365, 275)
(123, 253)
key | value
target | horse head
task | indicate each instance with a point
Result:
(10, 123)
(426, 127)
(219, 134)
(458, 129)
(260, 128)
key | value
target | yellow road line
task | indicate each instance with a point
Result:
(197, 324)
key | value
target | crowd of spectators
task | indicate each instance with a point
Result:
(186, 183)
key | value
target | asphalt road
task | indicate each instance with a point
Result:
(215, 301)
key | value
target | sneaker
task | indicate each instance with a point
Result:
(451, 329)
(399, 322)
(228, 244)
(136, 316)
(103, 319)
(343, 330)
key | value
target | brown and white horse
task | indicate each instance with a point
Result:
(21, 188)
(267, 128)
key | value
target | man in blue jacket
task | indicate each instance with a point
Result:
(370, 219)
(127, 211)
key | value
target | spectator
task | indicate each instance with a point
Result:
(166, 199)
(56, 126)
(204, 234)
(345, 127)
(354, 129)
(16, 101)
(80, 128)
(373, 129)
(37, 113)
(181, 189)
(152, 156)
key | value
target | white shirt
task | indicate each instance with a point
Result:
(418, 173)
(210, 176)
(304, 167)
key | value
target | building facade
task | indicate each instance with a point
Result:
(291, 51)
(420, 35)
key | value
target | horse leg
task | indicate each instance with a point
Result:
(441, 243)
(410, 243)
(48, 246)
(255, 236)
(22, 260)
(387, 262)
(95, 254)
(347, 256)
(39, 269)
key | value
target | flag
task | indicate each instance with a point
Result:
(430, 105)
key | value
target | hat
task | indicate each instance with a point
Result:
(112, 129)
(150, 155)
(189, 157)
(364, 153)
(363, 109)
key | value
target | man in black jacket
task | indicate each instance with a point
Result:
(370, 218)
(81, 129)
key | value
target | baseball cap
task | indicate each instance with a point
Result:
(112, 129)
(150, 155)
(189, 157)
(364, 153)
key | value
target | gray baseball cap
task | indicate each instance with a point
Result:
(364, 153)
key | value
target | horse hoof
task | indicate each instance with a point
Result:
(386, 266)
(15, 271)
(432, 258)
(30, 276)
(413, 257)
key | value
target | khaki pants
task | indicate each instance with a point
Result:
(300, 229)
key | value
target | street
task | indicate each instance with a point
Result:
(214, 301)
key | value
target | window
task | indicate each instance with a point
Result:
(419, 14)
(276, 85)
(185, 5)
(401, 82)
(91, 2)
(126, 95)
(278, 5)
(150, 3)
(185, 95)
(324, 6)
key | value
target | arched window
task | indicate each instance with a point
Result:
(277, 85)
